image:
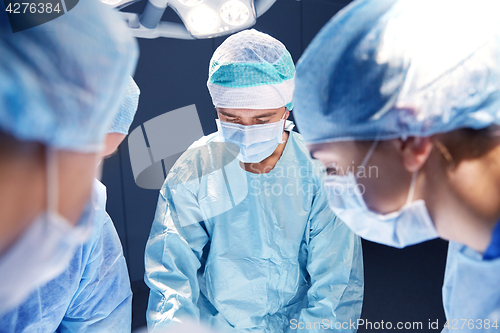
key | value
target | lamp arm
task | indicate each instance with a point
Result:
(261, 6)
(163, 29)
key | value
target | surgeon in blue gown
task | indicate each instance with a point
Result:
(412, 89)
(243, 238)
(93, 294)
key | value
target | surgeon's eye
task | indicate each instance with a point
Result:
(262, 120)
(331, 169)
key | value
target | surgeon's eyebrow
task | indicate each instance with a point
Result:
(227, 114)
(316, 151)
(313, 149)
(265, 115)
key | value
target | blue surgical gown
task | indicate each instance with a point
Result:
(493, 250)
(245, 252)
(92, 295)
(471, 291)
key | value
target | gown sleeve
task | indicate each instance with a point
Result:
(335, 266)
(172, 258)
(103, 300)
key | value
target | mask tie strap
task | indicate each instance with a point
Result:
(367, 157)
(52, 181)
(280, 139)
(411, 191)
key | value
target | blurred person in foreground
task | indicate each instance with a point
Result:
(93, 293)
(61, 85)
(400, 100)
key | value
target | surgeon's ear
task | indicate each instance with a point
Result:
(414, 152)
(113, 140)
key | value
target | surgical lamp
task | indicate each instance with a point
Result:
(201, 18)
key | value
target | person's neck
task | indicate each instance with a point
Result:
(266, 165)
(22, 195)
(465, 203)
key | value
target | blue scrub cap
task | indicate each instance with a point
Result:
(385, 69)
(251, 70)
(125, 116)
(62, 82)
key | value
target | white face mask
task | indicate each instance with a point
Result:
(407, 226)
(256, 142)
(44, 250)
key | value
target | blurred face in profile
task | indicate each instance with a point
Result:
(385, 180)
(458, 178)
(23, 194)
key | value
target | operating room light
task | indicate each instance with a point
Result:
(234, 12)
(111, 2)
(200, 18)
(203, 19)
(190, 3)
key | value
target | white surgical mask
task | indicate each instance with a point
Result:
(256, 142)
(407, 226)
(44, 250)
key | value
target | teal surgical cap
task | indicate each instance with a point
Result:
(251, 70)
(125, 116)
(62, 82)
(385, 69)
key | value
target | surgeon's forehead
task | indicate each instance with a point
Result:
(247, 113)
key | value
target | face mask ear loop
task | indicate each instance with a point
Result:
(411, 191)
(367, 157)
(52, 181)
(280, 139)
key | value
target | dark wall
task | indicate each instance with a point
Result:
(400, 285)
